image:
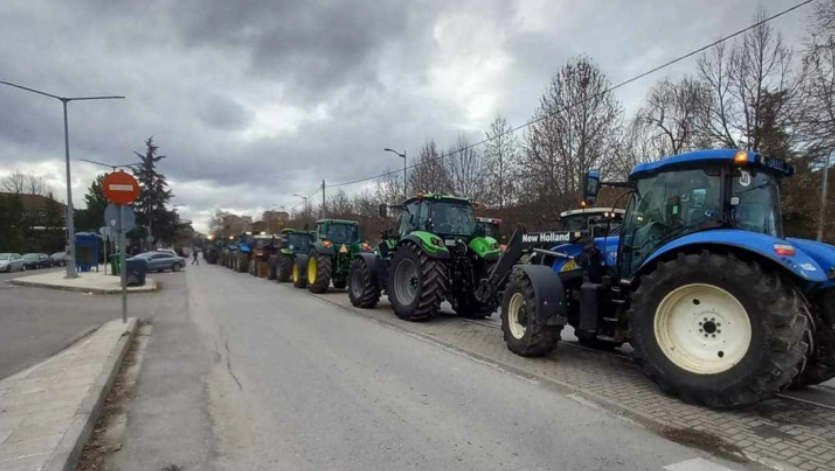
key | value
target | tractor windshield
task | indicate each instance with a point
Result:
(453, 218)
(343, 234)
(299, 242)
(665, 206)
(755, 202)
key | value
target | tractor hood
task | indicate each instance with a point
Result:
(822, 254)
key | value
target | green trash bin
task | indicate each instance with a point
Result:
(115, 264)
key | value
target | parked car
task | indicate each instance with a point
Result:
(59, 259)
(10, 262)
(33, 261)
(161, 261)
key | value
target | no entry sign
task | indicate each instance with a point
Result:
(120, 188)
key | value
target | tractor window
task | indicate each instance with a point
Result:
(666, 206)
(409, 218)
(342, 234)
(755, 203)
(299, 242)
(574, 223)
(453, 218)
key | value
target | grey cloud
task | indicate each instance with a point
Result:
(223, 113)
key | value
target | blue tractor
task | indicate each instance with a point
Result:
(719, 307)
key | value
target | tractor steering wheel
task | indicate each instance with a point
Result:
(444, 228)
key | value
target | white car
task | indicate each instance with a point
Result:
(10, 262)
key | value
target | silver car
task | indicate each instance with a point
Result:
(10, 262)
(161, 261)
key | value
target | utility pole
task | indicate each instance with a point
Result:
(402, 156)
(824, 190)
(71, 273)
(324, 211)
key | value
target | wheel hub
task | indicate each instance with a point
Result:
(517, 315)
(702, 328)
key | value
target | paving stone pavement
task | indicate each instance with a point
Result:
(781, 433)
(91, 282)
(47, 410)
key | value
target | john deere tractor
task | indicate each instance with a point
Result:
(329, 259)
(719, 306)
(436, 253)
(290, 244)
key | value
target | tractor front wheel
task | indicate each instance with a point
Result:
(318, 273)
(716, 330)
(284, 268)
(364, 291)
(298, 273)
(417, 284)
(820, 366)
(524, 333)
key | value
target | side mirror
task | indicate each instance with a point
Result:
(384, 210)
(591, 186)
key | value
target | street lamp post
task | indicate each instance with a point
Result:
(71, 273)
(403, 156)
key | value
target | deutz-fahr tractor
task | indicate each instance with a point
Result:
(261, 247)
(436, 253)
(291, 243)
(720, 308)
(329, 259)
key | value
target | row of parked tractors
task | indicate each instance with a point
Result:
(696, 275)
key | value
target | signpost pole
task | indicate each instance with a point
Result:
(123, 265)
(104, 239)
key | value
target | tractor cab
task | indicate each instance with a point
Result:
(292, 240)
(338, 232)
(449, 217)
(695, 192)
(489, 227)
(597, 221)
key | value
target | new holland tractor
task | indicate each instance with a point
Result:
(290, 244)
(437, 253)
(329, 259)
(719, 307)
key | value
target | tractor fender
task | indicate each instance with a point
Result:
(424, 241)
(370, 260)
(548, 292)
(800, 265)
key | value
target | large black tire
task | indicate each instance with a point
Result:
(428, 285)
(252, 269)
(765, 365)
(284, 269)
(364, 290)
(242, 265)
(319, 266)
(820, 366)
(273, 267)
(299, 276)
(533, 339)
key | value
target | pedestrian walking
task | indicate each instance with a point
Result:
(194, 260)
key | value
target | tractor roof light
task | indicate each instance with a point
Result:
(784, 250)
(327, 243)
(741, 157)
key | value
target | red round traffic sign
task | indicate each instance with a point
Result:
(120, 188)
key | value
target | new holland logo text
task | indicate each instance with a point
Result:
(546, 237)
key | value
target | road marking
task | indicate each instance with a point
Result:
(696, 464)
(115, 187)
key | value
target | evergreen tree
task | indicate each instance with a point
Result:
(92, 217)
(151, 212)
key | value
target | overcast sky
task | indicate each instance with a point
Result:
(253, 101)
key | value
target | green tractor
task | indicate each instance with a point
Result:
(290, 244)
(329, 260)
(436, 253)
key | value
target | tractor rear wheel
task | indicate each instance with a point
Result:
(820, 366)
(284, 268)
(318, 273)
(417, 284)
(364, 291)
(273, 266)
(298, 272)
(252, 268)
(243, 264)
(716, 330)
(523, 333)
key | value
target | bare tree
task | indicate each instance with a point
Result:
(36, 185)
(816, 97)
(389, 188)
(15, 183)
(671, 112)
(502, 164)
(429, 172)
(339, 205)
(577, 129)
(466, 169)
(738, 79)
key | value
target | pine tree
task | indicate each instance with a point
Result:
(151, 211)
(92, 217)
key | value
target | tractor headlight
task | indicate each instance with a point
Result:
(436, 242)
(494, 246)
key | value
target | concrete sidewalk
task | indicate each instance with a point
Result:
(96, 283)
(47, 413)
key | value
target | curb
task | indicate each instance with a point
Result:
(81, 289)
(66, 455)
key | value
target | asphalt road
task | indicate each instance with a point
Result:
(35, 323)
(243, 374)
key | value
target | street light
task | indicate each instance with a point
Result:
(111, 166)
(824, 189)
(403, 155)
(304, 206)
(71, 273)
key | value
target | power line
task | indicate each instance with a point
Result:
(608, 90)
